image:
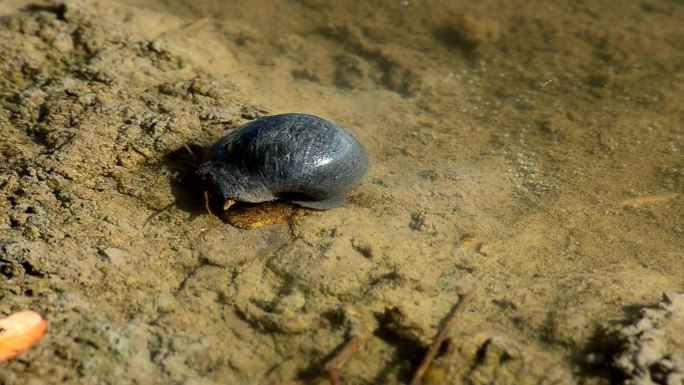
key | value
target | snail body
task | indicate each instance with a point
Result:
(298, 158)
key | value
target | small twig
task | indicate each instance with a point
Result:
(348, 351)
(159, 212)
(212, 218)
(648, 200)
(193, 26)
(439, 339)
(195, 158)
(207, 205)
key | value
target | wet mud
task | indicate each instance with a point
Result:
(526, 153)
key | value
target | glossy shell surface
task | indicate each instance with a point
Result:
(294, 157)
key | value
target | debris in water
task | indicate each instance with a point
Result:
(20, 332)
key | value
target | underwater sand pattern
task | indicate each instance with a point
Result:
(527, 153)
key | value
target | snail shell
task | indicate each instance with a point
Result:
(294, 157)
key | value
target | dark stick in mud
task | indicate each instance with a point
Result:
(333, 366)
(361, 326)
(441, 336)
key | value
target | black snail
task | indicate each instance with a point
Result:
(298, 158)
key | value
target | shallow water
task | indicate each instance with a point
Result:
(524, 152)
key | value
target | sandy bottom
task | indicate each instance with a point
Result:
(527, 153)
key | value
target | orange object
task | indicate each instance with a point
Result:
(19, 332)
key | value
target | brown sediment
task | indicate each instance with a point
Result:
(254, 216)
(493, 129)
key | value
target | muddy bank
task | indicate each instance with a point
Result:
(525, 155)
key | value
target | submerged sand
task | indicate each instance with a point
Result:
(526, 153)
